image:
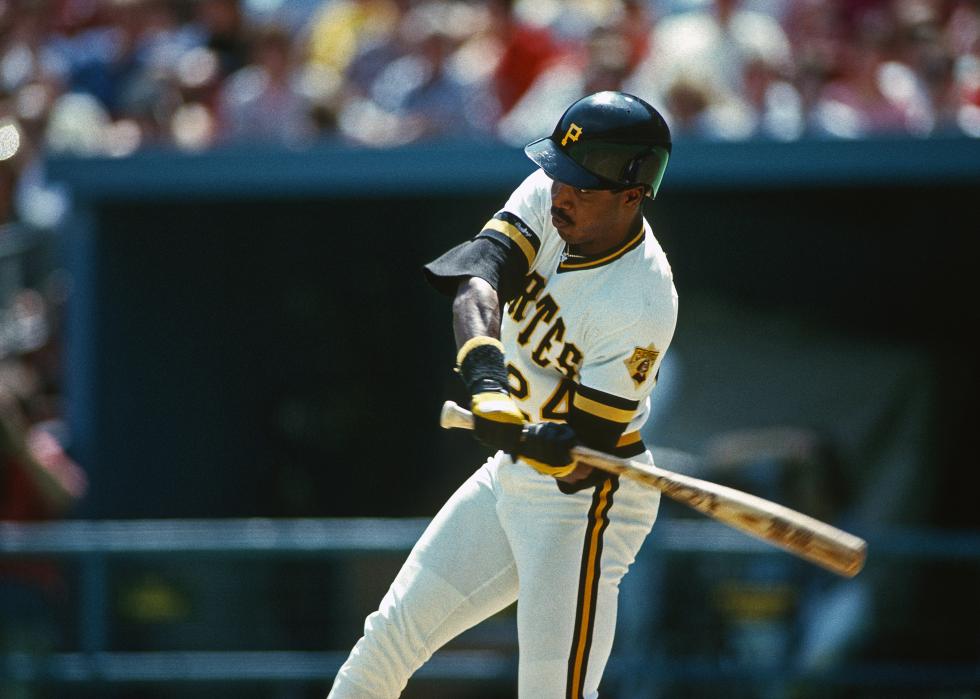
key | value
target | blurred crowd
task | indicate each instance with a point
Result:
(39, 481)
(108, 77)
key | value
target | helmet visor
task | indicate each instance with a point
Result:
(600, 165)
(561, 168)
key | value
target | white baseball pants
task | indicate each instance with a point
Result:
(508, 533)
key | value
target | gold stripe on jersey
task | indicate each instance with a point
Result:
(589, 262)
(604, 405)
(629, 439)
(588, 591)
(604, 411)
(517, 232)
(629, 445)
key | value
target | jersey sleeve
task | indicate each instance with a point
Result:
(616, 380)
(502, 253)
(528, 210)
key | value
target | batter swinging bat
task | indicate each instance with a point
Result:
(803, 536)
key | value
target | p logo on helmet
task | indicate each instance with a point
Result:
(574, 131)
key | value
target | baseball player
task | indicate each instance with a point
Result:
(563, 307)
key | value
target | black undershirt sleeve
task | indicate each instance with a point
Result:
(502, 266)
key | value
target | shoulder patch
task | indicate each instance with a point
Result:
(640, 363)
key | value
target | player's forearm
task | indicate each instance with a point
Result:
(476, 311)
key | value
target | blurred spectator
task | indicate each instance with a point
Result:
(960, 37)
(817, 32)
(426, 91)
(525, 50)
(922, 74)
(634, 23)
(603, 63)
(963, 34)
(27, 53)
(34, 463)
(429, 90)
(104, 60)
(263, 101)
(871, 94)
(38, 481)
(382, 44)
(602, 43)
(699, 62)
(343, 29)
(775, 104)
(76, 124)
(224, 27)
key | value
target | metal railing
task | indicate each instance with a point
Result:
(93, 545)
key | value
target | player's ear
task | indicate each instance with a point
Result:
(633, 197)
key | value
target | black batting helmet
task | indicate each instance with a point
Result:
(608, 140)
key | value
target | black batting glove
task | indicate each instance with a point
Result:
(547, 447)
(497, 421)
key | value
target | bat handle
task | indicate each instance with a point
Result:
(454, 416)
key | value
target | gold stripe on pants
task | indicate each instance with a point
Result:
(578, 660)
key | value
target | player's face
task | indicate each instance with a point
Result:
(593, 220)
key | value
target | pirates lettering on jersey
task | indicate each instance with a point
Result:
(517, 383)
(556, 333)
(569, 357)
(546, 308)
(533, 286)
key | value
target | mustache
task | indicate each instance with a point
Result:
(560, 215)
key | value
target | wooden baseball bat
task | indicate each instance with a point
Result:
(809, 538)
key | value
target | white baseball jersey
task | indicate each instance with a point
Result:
(583, 337)
(584, 331)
